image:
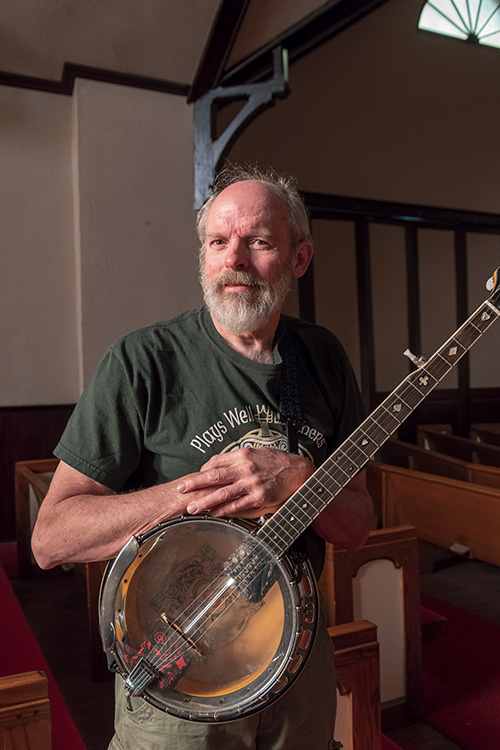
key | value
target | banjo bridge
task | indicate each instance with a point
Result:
(189, 641)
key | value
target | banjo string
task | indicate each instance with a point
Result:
(165, 652)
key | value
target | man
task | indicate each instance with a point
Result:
(154, 436)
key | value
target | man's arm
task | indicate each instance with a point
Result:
(81, 520)
(347, 520)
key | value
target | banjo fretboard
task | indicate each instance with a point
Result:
(300, 510)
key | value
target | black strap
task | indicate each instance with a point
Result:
(290, 410)
(309, 543)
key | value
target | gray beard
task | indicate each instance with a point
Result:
(250, 310)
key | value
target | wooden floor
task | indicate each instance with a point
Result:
(54, 604)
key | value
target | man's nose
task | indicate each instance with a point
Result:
(236, 254)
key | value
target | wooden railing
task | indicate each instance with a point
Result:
(25, 712)
(380, 583)
(32, 480)
(358, 685)
(445, 512)
(409, 456)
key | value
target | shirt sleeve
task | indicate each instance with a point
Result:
(104, 436)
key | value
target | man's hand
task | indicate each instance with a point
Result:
(248, 482)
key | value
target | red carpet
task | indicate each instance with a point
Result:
(462, 678)
(388, 744)
(19, 652)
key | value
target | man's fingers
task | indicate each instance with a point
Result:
(202, 479)
(216, 498)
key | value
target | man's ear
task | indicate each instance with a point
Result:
(303, 256)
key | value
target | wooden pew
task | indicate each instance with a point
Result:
(485, 433)
(25, 712)
(32, 480)
(445, 512)
(380, 583)
(459, 447)
(407, 455)
(358, 685)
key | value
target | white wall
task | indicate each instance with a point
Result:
(137, 244)
(97, 229)
(37, 274)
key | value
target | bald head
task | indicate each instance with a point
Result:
(280, 186)
(248, 207)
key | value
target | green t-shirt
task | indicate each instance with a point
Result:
(166, 398)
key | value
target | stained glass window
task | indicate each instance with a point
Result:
(476, 21)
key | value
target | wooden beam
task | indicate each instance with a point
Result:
(218, 47)
(71, 72)
(209, 150)
(302, 38)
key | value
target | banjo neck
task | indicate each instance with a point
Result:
(305, 505)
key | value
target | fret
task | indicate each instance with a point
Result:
(309, 503)
(470, 332)
(304, 515)
(441, 364)
(281, 530)
(372, 426)
(423, 381)
(452, 352)
(484, 317)
(365, 441)
(491, 308)
(271, 536)
(390, 421)
(288, 523)
(354, 451)
(340, 467)
(397, 408)
(322, 484)
(277, 533)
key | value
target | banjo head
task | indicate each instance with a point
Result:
(202, 620)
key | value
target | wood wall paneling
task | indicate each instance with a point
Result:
(26, 433)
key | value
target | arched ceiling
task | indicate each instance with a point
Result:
(190, 43)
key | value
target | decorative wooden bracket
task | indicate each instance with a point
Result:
(209, 151)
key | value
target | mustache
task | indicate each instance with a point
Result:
(235, 278)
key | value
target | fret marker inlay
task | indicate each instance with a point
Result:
(452, 351)
(485, 316)
(397, 407)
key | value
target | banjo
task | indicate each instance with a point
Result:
(212, 619)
